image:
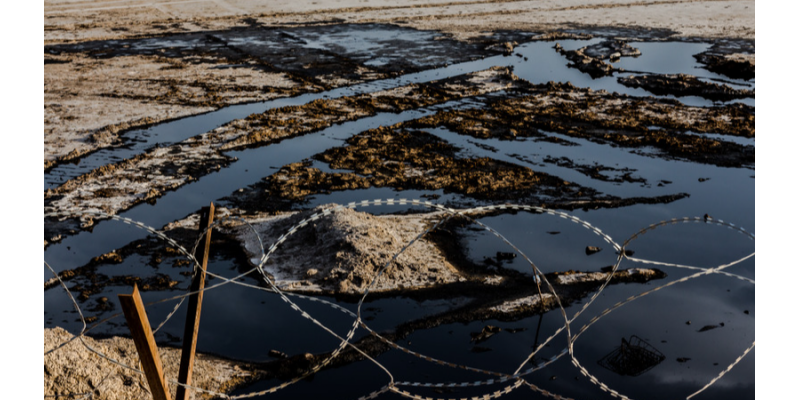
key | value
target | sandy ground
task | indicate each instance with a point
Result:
(74, 369)
(71, 20)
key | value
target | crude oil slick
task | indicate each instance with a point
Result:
(620, 132)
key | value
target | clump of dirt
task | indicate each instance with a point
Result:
(595, 67)
(404, 158)
(609, 118)
(75, 371)
(611, 50)
(592, 59)
(680, 85)
(736, 66)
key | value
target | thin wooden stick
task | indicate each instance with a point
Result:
(142, 334)
(193, 313)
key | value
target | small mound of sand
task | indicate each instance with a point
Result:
(343, 252)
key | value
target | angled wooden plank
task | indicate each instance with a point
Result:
(193, 314)
(133, 308)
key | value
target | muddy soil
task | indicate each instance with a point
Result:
(91, 102)
(594, 60)
(95, 91)
(274, 125)
(108, 68)
(145, 177)
(593, 66)
(730, 57)
(610, 118)
(403, 158)
(680, 85)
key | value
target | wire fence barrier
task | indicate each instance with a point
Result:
(633, 357)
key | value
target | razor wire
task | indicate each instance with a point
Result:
(515, 380)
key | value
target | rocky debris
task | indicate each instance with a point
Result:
(75, 371)
(277, 354)
(487, 332)
(109, 258)
(708, 328)
(592, 59)
(736, 66)
(680, 85)
(415, 159)
(592, 249)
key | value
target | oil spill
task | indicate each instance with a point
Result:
(563, 146)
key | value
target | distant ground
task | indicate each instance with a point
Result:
(70, 20)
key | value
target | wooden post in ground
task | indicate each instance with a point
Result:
(193, 312)
(142, 334)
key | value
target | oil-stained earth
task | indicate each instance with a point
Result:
(355, 110)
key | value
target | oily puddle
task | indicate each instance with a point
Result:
(691, 358)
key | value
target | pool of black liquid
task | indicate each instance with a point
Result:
(245, 324)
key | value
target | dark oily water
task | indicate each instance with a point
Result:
(690, 331)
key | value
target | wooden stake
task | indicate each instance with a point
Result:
(142, 334)
(193, 313)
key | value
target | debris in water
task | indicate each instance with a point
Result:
(592, 249)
